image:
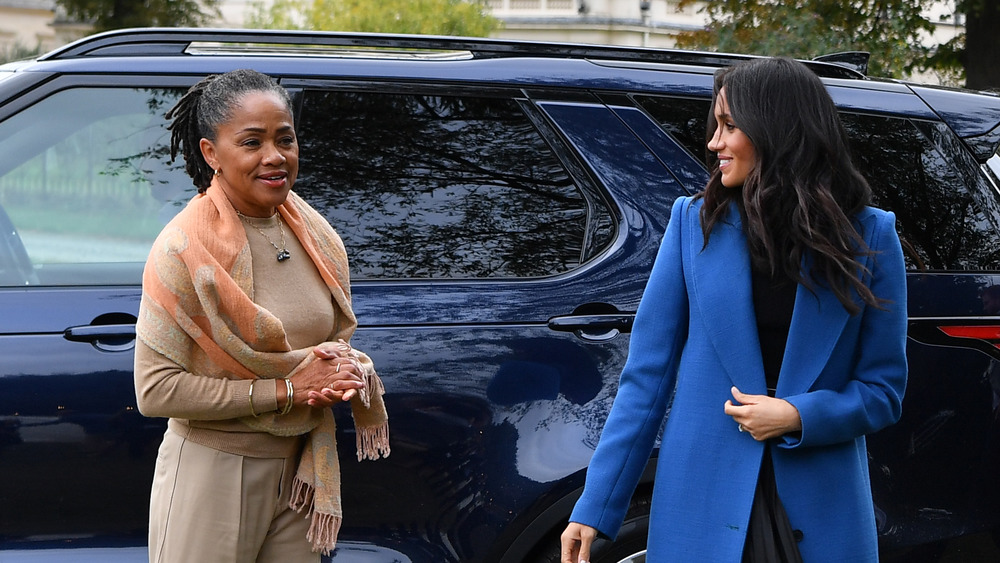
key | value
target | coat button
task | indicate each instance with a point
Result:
(797, 534)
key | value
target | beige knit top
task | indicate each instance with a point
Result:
(205, 409)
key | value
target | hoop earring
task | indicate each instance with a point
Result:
(218, 172)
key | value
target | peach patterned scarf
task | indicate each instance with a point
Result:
(198, 312)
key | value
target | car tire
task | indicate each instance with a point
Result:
(629, 546)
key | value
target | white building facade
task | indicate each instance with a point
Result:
(652, 23)
(26, 24)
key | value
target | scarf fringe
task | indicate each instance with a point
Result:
(323, 532)
(323, 528)
(372, 442)
(302, 497)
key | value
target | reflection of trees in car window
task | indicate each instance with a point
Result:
(442, 187)
(946, 216)
(85, 180)
(683, 118)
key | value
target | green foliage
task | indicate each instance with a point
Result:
(279, 14)
(434, 17)
(116, 14)
(891, 30)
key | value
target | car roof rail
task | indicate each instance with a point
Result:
(180, 41)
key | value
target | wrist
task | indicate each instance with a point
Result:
(284, 393)
(262, 399)
(279, 394)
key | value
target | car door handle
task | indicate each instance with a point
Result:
(594, 327)
(110, 338)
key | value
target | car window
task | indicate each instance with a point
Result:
(432, 187)
(947, 214)
(685, 119)
(86, 186)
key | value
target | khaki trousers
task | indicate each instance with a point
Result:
(209, 506)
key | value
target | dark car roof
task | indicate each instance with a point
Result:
(973, 116)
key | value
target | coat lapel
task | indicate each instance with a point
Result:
(723, 292)
(817, 323)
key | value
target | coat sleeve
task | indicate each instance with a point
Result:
(644, 389)
(872, 398)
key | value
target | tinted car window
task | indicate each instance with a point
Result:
(685, 119)
(946, 214)
(87, 186)
(423, 186)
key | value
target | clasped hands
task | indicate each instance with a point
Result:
(334, 376)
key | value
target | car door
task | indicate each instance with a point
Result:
(499, 246)
(83, 193)
(933, 473)
(940, 461)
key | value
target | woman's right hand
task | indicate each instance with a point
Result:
(576, 540)
(330, 378)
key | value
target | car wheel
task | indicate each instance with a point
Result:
(629, 547)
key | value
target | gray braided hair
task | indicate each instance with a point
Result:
(207, 105)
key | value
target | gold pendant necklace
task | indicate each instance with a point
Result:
(283, 253)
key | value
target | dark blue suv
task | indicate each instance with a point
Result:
(502, 203)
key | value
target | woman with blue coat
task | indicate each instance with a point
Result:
(771, 335)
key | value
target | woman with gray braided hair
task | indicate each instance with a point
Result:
(242, 343)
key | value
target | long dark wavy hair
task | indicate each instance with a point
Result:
(799, 198)
(204, 107)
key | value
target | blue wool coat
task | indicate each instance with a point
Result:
(694, 338)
